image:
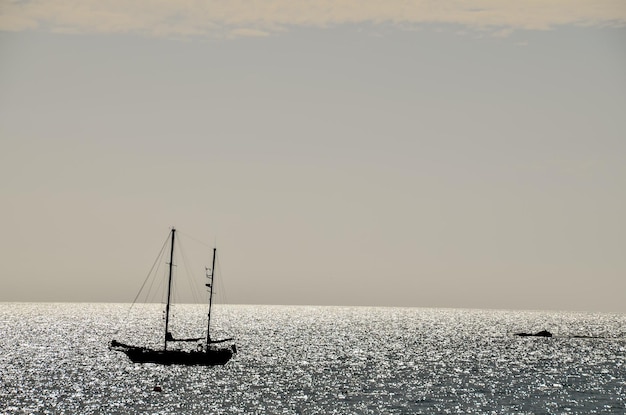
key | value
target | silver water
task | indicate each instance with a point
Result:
(315, 360)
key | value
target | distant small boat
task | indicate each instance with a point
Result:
(542, 333)
(208, 352)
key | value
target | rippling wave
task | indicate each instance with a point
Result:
(316, 360)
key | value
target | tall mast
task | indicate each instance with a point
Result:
(210, 284)
(169, 291)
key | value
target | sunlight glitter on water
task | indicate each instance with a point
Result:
(316, 360)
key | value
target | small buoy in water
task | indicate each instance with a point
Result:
(157, 388)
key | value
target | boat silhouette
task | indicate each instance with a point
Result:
(208, 351)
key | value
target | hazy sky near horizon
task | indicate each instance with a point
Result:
(414, 153)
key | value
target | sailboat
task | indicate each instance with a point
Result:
(208, 352)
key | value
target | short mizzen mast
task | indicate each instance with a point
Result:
(210, 285)
(169, 292)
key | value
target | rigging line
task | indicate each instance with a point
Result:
(194, 285)
(194, 291)
(188, 274)
(152, 296)
(155, 276)
(195, 239)
(161, 282)
(185, 262)
(222, 283)
(150, 272)
(222, 288)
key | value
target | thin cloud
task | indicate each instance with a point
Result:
(249, 32)
(214, 18)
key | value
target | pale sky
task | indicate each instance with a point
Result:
(399, 153)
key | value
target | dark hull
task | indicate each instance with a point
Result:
(211, 357)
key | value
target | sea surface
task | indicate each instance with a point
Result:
(54, 359)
